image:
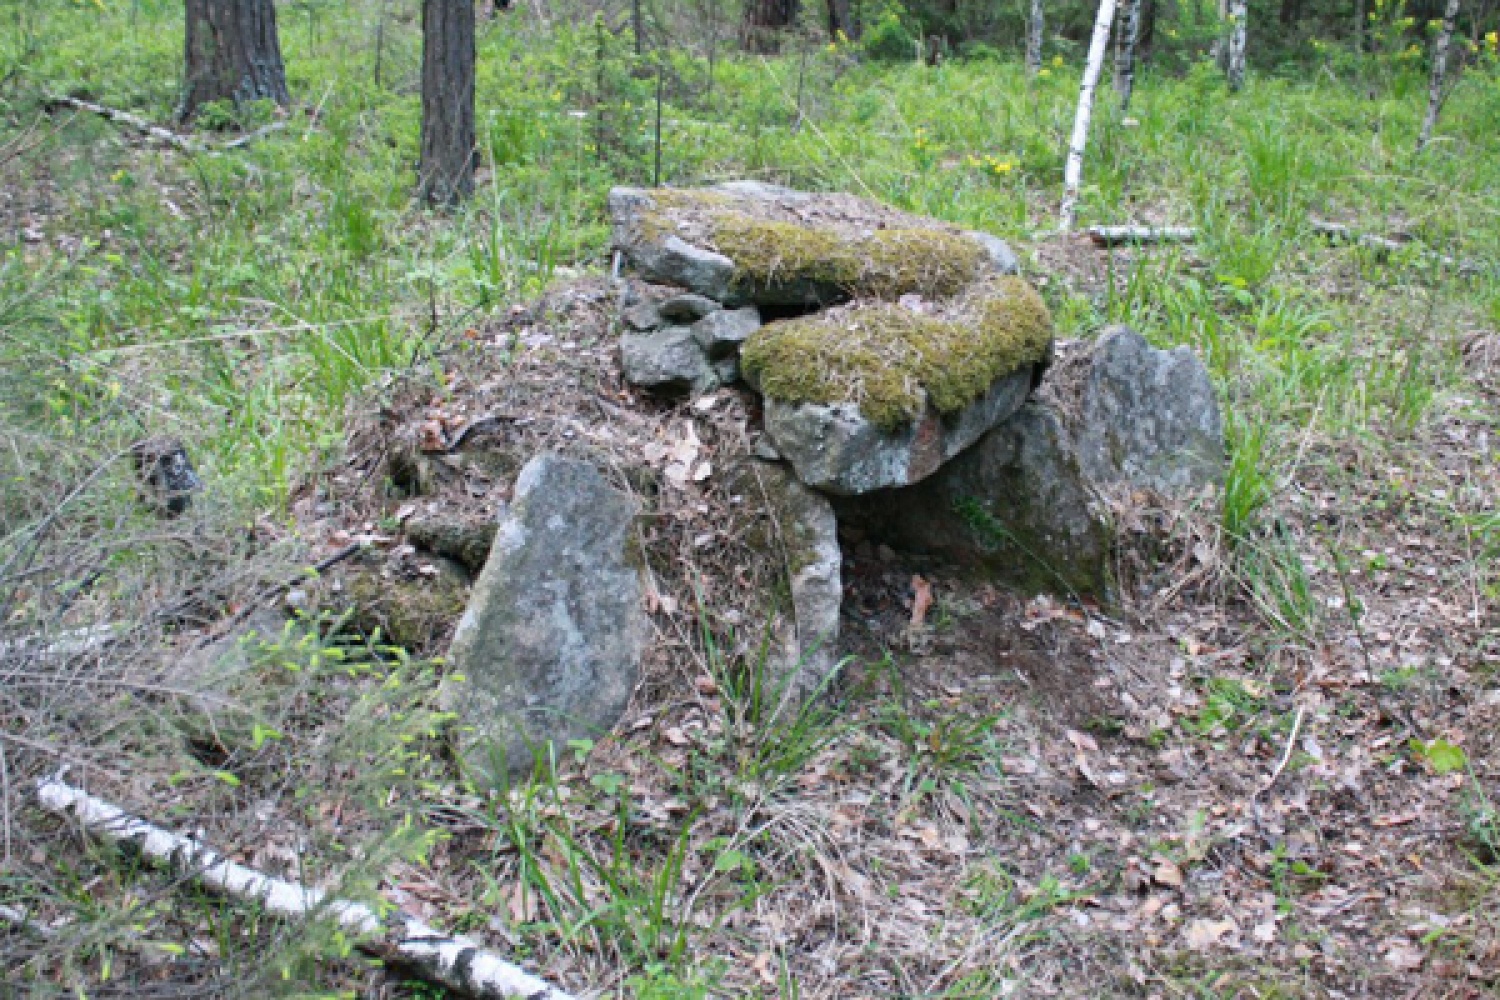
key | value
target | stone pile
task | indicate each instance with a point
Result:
(902, 367)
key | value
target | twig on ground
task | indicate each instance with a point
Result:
(1110, 236)
(182, 142)
(1337, 232)
(1286, 754)
(455, 962)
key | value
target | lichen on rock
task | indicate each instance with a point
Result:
(894, 358)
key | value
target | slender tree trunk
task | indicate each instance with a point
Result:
(638, 26)
(446, 174)
(1235, 67)
(1146, 45)
(839, 20)
(765, 20)
(1073, 172)
(231, 52)
(1035, 27)
(1125, 53)
(1220, 50)
(1436, 91)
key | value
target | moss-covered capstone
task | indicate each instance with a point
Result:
(892, 359)
(747, 242)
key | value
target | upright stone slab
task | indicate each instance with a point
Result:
(802, 528)
(549, 648)
(1033, 500)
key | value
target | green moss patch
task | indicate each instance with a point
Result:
(891, 361)
(839, 244)
(884, 264)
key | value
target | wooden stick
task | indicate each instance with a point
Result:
(1109, 236)
(1337, 232)
(456, 962)
(182, 142)
(186, 143)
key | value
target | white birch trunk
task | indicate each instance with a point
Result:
(1035, 25)
(1073, 172)
(1239, 15)
(456, 962)
(1125, 53)
(1435, 90)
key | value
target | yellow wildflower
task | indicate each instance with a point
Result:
(1057, 60)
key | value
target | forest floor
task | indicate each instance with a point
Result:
(1277, 774)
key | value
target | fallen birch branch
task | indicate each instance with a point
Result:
(188, 144)
(166, 135)
(455, 962)
(1337, 232)
(1111, 236)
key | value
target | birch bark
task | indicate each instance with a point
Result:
(1073, 172)
(1035, 26)
(1235, 68)
(1125, 54)
(1435, 90)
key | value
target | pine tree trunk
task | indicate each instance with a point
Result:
(449, 157)
(765, 20)
(1235, 67)
(1073, 172)
(1125, 54)
(1436, 90)
(1359, 25)
(1035, 27)
(839, 20)
(231, 52)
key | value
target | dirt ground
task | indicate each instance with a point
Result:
(1020, 795)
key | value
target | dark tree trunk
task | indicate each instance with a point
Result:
(231, 53)
(765, 20)
(1147, 43)
(1291, 12)
(839, 20)
(449, 157)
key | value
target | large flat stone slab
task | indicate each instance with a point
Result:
(874, 395)
(748, 242)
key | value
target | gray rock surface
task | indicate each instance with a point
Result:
(1034, 500)
(688, 308)
(804, 528)
(683, 257)
(551, 641)
(1147, 417)
(836, 449)
(722, 333)
(669, 361)
(668, 259)
(642, 316)
(1002, 257)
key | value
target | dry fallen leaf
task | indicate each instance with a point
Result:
(1403, 957)
(1167, 874)
(1204, 934)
